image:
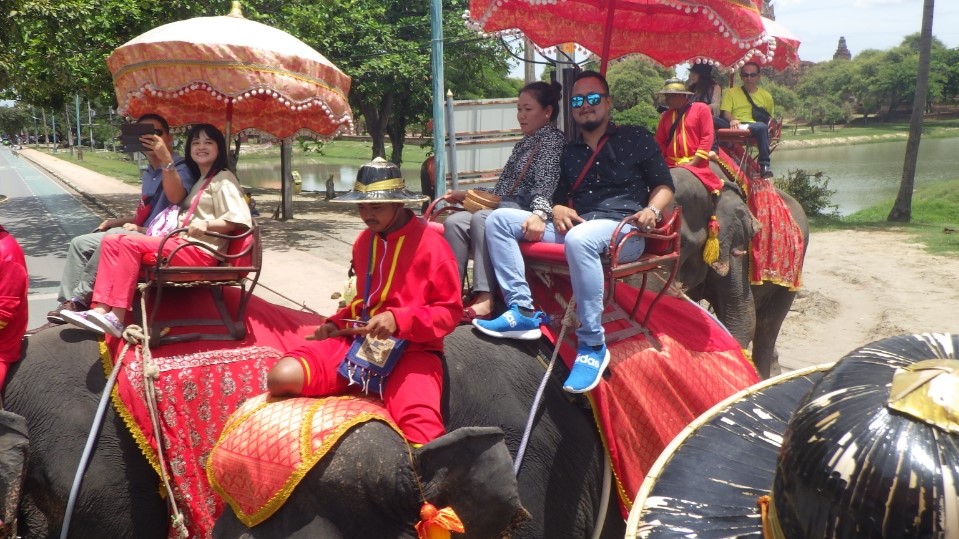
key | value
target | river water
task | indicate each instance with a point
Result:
(862, 174)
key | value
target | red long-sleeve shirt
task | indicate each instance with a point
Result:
(13, 299)
(415, 277)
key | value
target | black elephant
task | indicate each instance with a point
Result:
(752, 313)
(365, 489)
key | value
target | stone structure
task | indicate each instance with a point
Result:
(842, 52)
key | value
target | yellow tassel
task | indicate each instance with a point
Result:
(438, 523)
(711, 249)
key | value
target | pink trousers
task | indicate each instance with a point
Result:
(121, 256)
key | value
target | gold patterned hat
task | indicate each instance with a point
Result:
(379, 181)
(674, 86)
(868, 447)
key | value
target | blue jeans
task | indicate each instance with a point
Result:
(760, 131)
(584, 245)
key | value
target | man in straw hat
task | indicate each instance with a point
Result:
(685, 135)
(871, 450)
(408, 295)
(607, 174)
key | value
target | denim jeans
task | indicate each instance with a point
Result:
(584, 245)
(760, 131)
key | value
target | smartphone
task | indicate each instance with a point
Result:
(130, 136)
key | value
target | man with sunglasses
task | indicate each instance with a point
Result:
(608, 173)
(166, 181)
(737, 108)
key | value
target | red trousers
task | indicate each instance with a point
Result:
(411, 395)
(121, 256)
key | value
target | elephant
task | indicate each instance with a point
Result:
(752, 313)
(366, 488)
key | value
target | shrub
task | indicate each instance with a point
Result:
(811, 190)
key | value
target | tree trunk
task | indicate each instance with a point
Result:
(376, 122)
(397, 133)
(902, 209)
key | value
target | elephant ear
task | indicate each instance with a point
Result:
(14, 452)
(471, 470)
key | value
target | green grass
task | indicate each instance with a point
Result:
(113, 164)
(876, 131)
(934, 221)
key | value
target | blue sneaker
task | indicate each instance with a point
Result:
(587, 369)
(512, 325)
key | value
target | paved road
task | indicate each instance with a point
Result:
(42, 216)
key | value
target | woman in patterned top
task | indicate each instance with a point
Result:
(527, 182)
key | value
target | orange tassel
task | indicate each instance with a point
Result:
(438, 523)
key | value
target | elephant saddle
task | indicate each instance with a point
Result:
(267, 446)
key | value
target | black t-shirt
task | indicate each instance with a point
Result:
(627, 169)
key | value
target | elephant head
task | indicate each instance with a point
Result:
(737, 226)
(369, 487)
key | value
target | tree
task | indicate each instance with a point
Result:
(902, 209)
(13, 120)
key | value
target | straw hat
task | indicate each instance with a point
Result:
(379, 181)
(674, 86)
(872, 450)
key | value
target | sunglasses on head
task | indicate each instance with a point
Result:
(592, 98)
(749, 75)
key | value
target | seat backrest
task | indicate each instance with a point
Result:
(245, 250)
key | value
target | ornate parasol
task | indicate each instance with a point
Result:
(233, 73)
(780, 49)
(667, 31)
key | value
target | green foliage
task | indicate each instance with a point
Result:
(13, 120)
(643, 114)
(787, 101)
(633, 81)
(811, 190)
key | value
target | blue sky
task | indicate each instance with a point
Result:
(866, 24)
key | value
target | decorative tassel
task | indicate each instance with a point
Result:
(437, 523)
(711, 249)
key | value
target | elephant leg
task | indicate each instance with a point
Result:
(773, 303)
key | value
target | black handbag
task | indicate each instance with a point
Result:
(759, 114)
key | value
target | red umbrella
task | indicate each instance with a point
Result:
(233, 73)
(668, 31)
(780, 50)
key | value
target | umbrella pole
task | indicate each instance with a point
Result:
(607, 38)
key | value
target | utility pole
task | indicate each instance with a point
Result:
(90, 124)
(439, 118)
(53, 118)
(79, 147)
(528, 65)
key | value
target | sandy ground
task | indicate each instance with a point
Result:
(860, 286)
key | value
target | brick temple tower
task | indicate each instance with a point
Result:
(842, 52)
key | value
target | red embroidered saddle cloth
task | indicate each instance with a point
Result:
(778, 248)
(268, 446)
(200, 384)
(651, 394)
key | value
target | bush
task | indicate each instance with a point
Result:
(811, 190)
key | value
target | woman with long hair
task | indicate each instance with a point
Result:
(214, 204)
(527, 182)
(705, 89)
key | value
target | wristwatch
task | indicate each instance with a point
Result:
(657, 213)
(171, 166)
(541, 214)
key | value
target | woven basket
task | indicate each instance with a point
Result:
(477, 200)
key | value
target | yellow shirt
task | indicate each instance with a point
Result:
(735, 103)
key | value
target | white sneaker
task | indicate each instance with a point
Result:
(82, 320)
(107, 322)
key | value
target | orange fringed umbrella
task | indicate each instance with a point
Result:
(233, 73)
(667, 31)
(779, 50)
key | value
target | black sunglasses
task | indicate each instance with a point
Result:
(592, 98)
(749, 75)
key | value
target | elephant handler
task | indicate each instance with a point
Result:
(408, 291)
(685, 133)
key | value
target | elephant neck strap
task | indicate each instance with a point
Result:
(582, 174)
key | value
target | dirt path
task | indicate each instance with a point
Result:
(860, 286)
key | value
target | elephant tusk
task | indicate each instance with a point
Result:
(739, 252)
